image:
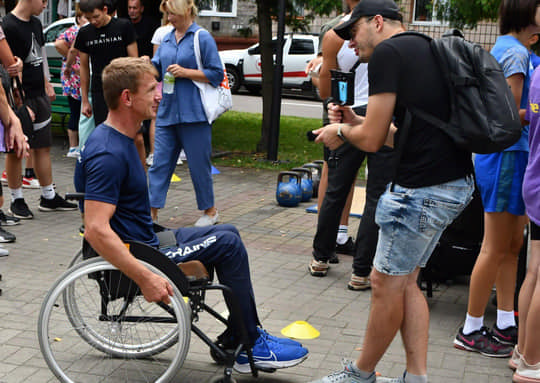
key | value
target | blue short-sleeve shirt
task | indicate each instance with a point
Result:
(110, 171)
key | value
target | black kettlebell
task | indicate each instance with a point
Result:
(316, 171)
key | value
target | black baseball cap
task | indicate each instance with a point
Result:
(386, 8)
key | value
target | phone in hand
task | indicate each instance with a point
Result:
(310, 135)
(342, 87)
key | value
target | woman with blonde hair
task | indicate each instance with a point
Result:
(181, 122)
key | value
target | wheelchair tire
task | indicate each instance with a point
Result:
(77, 258)
(80, 344)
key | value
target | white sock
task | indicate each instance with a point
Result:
(472, 324)
(342, 235)
(505, 319)
(48, 191)
(15, 193)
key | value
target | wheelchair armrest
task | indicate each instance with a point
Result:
(152, 256)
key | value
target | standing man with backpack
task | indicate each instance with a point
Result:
(432, 185)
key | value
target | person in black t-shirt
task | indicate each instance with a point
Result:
(24, 34)
(144, 25)
(433, 182)
(99, 42)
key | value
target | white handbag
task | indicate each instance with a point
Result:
(216, 101)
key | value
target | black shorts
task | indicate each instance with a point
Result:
(39, 133)
(535, 232)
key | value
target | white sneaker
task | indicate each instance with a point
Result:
(179, 160)
(182, 155)
(73, 152)
(3, 252)
(513, 362)
(150, 159)
(527, 373)
(207, 220)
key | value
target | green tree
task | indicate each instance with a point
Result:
(299, 15)
(466, 13)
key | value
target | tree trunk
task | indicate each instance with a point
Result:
(267, 61)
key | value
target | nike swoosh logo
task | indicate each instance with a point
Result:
(272, 356)
(470, 343)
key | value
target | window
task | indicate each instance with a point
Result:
(226, 8)
(301, 47)
(424, 12)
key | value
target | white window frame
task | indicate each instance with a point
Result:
(433, 21)
(213, 12)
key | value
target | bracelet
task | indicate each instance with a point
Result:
(340, 133)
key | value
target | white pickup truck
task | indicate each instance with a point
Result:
(244, 65)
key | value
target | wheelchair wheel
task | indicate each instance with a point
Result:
(77, 258)
(84, 337)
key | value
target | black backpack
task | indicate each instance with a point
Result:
(483, 114)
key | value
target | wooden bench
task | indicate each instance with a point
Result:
(55, 68)
(60, 106)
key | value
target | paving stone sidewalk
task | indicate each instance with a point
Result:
(279, 243)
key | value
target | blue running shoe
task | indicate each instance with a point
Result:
(284, 341)
(269, 354)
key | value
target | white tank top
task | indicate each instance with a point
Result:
(346, 58)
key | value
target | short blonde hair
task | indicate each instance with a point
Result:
(179, 7)
(124, 73)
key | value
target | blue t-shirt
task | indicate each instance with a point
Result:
(110, 171)
(514, 59)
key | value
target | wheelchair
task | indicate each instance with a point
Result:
(95, 326)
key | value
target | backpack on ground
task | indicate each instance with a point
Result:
(484, 117)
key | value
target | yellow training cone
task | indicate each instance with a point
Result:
(175, 178)
(300, 330)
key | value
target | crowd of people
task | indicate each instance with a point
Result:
(419, 179)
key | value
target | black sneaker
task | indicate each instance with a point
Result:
(507, 336)
(55, 204)
(482, 341)
(333, 259)
(348, 248)
(6, 236)
(7, 220)
(20, 209)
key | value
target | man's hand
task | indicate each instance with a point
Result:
(15, 138)
(14, 69)
(156, 289)
(337, 114)
(328, 136)
(313, 64)
(49, 89)
(86, 109)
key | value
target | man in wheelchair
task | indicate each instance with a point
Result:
(117, 209)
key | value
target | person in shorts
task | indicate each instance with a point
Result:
(24, 34)
(432, 185)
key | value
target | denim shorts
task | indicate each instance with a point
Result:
(411, 222)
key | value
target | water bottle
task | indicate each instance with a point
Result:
(168, 83)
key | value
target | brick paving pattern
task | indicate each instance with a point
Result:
(279, 243)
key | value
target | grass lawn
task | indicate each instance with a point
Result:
(237, 134)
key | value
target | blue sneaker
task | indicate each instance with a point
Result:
(269, 354)
(284, 341)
